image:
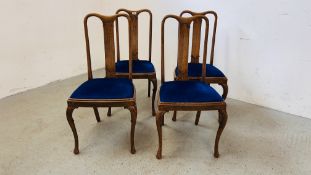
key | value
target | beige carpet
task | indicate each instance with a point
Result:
(36, 138)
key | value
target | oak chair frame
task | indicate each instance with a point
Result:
(151, 76)
(129, 103)
(182, 65)
(195, 53)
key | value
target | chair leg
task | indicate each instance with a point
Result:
(225, 90)
(159, 121)
(163, 120)
(109, 112)
(197, 118)
(155, 86)
(133, 110)
(96, 114)
(73, 128)
(174, 116)
(148, 88)
(223, 116)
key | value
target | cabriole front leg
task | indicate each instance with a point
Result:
(159, 122)
(73, 128)
(223, 116)
(133, 110)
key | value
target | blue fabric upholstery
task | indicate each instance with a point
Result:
(188, 91)
(105, 88)
(139, 66)
(195, 70)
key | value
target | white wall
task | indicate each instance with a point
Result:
(262, 46)
(41, 41)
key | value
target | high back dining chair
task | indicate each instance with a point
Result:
(184, 94)
(142, 69)
(108, 91)
(213, 74)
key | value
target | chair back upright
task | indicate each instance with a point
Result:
(108, 29)
(183, 45)
(134, 31)
(196, 35)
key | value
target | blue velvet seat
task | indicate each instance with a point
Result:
(105, 88)
(195, 70)
(188, 91)
(139, 66)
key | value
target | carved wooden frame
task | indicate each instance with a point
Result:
(182, 66)
(151, 76)
(130, 103)
(195, 52)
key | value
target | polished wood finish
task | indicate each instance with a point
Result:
(195, 54)
(151, 76)
(130, 103)
(195, 51)
(183, 45)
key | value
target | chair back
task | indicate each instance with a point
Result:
(183, 45)
(196, 35)
(108, 29)
(134, 31)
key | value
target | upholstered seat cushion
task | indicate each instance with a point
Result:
(139, 66)
(188, 91)
(195, 70)
(105, 88)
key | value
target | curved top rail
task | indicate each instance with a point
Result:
(109, 43)
(183, 38)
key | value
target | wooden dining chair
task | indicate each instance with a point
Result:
(142, 69)
(108, 91)
(213, 74)
(183, 94)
